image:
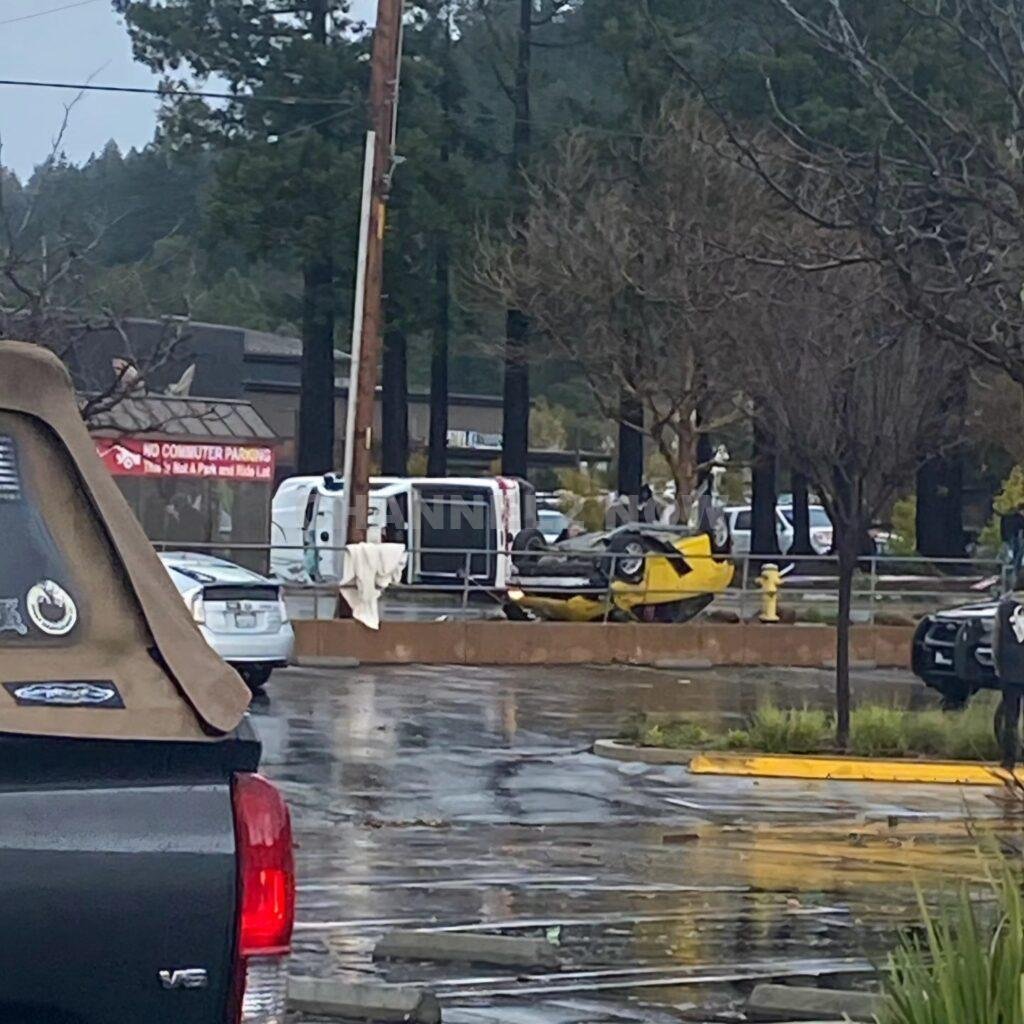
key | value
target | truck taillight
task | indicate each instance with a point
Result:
(266, 900)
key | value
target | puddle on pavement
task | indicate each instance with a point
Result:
(462, 799)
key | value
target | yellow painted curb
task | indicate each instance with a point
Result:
(850, 769)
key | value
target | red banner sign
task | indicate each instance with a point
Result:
(128, 456)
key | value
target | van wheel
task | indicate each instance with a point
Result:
(527, 547)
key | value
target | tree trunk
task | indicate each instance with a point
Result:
(940, 521)
(516, 415)
(515, 420)
(681, 457)
(316, 399)
(394, 411)
(847, 549)
(801, 516)
(705, 455)
(631, 445)
(939, 517)
(437, 443)
(437, 452)
(764, 538)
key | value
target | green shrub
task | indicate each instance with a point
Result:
(970, 733)
(965, 965)
(737, 739)
(927, 732)
(904, 527)
(1010, 496)
(789, 731)
(678, 734)
(878, 731)
(818, 614)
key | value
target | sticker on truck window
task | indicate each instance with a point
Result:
(10, 617)
(37, 601)
(66, 693)
(51, 608)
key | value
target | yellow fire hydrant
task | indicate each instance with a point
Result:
(770, 582)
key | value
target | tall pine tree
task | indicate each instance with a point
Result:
(289, 149)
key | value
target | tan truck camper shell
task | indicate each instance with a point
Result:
(95, 641)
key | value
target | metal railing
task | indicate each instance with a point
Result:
(886, 587)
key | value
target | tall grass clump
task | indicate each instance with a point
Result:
(965, 965)
(971, 733)
(651, 731)
(776, 730)
(878, 731)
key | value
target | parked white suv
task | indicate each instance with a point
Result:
(739, 520)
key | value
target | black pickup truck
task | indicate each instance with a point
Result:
(133, 884)
(146, 869)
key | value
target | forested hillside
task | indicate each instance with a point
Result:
(244, 211)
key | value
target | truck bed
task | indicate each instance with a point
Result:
(117, 869)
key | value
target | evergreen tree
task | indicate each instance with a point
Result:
(289, 149)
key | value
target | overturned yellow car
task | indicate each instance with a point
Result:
(639, 573)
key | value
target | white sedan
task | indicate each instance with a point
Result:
(240, 613)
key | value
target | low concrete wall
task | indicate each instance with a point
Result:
(562, 643)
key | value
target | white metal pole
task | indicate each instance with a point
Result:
(357, 337)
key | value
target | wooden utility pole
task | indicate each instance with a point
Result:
(384, 70)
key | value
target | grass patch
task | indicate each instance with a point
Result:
(876, 730)
(674, 733)
(818, 615)
(788, 730)
(965, 964)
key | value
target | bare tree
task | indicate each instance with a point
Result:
(49, 295)
(929, 177)
(615, 266)
(873, 393)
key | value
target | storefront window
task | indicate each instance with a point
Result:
(207, 515)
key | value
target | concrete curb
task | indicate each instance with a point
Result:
(507, 951)
(772, 1002)
(849, 769)
(683, 664)
(363, 1001)
(614, 750)
(461, 642)
(312, 661)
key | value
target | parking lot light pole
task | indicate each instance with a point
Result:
(357, 338)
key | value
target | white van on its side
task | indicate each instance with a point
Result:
(448, 525)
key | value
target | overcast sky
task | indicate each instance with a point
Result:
(70, 46)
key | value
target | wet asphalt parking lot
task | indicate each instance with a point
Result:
(466, 799)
